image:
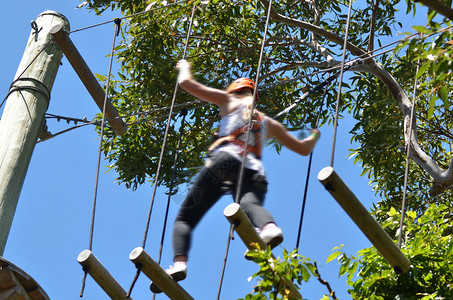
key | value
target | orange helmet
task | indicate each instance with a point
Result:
(241, 83)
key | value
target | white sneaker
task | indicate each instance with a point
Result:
(272, 236)
(178, 272)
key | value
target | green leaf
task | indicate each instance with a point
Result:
(333, 256)
(422, 69)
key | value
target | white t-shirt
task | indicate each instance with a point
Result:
(233, 121)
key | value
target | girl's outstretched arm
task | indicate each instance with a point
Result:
(303, 147)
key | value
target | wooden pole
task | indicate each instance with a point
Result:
(61, 36)
(250, 237)
(364, 220)
(103, 278)
(150, 268)
(23, 116)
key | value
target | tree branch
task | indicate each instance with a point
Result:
(290, 66)
(315, 29)
(324, 282)
(442, 179)
(372, 27)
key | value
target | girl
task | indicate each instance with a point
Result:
(220, 173)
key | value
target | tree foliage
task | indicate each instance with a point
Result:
(428, 245)
(224, 44)
(275, 273)
(303, 46)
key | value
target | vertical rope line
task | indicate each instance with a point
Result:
(173, 175)
(408, 151)
(337, 108)
(164, 143)
(304, 199)
(170, 190)
(225, 258)
(96, 183)
(244, 155)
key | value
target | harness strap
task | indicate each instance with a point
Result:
(235, 136)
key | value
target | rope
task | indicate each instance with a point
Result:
(244, 155)
(128, 16)
(66, 130)
(325, 83)
(159, 165)
(93, 213)
(44, 91)
(98, 123)
(408, 151)
(225, 259)
(304, 199)
(340, 82)
(360, 58)
(250, 124)
(47, 96)
(183, 113)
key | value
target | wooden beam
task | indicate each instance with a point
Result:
(439, 7)
(103, 278)
(364, 220)
(92, 85)
(165, 282)
(250, 237)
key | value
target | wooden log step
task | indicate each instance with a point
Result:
(153, 271)
(364, 220)
(102, 277)
(250, 237)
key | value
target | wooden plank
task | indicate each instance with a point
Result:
(250, 237)
(363, 219)
(103, 278)
(20, 288)
(89, 80)
(165, 282)
(10, 294)
(24, 286)
(6, 281)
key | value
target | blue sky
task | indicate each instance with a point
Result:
(52, 221)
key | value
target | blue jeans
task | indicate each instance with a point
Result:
(216, 179)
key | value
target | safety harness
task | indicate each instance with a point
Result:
(239, 137)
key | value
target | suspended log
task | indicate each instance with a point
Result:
(364, 220)
(103, 278)
(251, 239)
(159, 277)
(88, 79)
(17, 284)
